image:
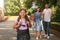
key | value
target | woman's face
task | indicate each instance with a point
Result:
(22, 13)
(38, 9)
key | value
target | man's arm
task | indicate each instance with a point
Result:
(42, 15)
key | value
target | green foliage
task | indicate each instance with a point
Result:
(29, 11)
(56, 23)
(56, 16)
(11, 7)
(41, 4)
(28, 3)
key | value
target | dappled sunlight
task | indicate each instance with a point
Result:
(8, 33)
(5, 28)
(0, 36)
(9, 12)
(12, 18)
(13, 38)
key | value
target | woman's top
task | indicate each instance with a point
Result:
(23, 24)
(37, 16)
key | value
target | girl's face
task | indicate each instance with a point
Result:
(32, 17)
(22, 13)
(38, 9)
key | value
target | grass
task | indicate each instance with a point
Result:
(57, 23)
(55, 26)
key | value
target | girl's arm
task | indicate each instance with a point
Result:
(42, 15)
(16, 25)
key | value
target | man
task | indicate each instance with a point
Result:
(47, 13)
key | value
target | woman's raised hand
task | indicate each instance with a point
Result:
(19, 23)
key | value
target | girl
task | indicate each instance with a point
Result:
(22, 25)
(38, 19)
(32, 21)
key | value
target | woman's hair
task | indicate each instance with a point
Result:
(39, 9)
(26, 17)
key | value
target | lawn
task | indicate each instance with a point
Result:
(55, 26)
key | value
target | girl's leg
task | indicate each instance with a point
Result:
(28, 34)
(36, 35)
(40, 34)
(37, 29)
(17, 36)
(33, 28)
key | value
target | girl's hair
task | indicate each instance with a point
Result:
(39, 9)
(26, 17)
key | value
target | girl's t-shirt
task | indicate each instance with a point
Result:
(23, 24)
(37, 16)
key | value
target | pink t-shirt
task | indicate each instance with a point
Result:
(23, 26)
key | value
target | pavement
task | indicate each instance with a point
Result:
(8, 33)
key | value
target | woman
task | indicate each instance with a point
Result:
(37, 20)
(22, 25)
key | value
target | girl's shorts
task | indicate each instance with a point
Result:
(23, 34)
(38, 26)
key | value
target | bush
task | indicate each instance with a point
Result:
(11, 7)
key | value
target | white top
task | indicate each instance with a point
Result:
(47, 15)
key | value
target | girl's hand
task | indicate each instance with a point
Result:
(16, 25)
(19, 23)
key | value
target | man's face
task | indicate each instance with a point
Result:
(46, 6)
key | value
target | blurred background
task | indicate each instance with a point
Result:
(9, 12)
(11, 7)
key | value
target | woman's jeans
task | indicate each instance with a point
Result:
(47, 28)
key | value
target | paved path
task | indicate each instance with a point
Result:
(7, 32)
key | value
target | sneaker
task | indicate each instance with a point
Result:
(36, 38)
(48, 37)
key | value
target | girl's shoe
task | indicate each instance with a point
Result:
(48, 37)
(36, 38)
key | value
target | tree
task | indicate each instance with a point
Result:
(28, 3)
(57, 14)
(12, 7)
